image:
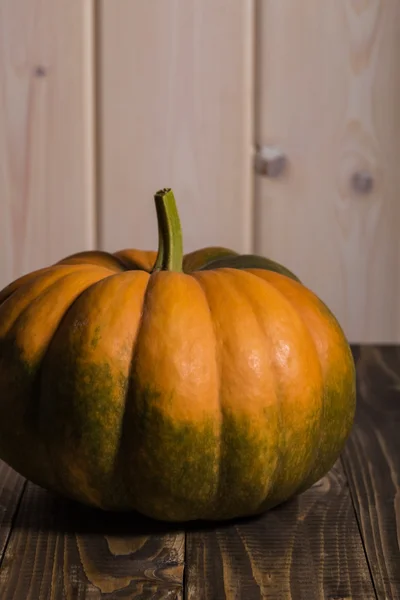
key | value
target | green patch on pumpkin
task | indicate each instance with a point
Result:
(21, 445)
(96, 337)
(171, 467)
(82, 409)
(249, 261)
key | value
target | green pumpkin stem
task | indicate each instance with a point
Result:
(170, 247)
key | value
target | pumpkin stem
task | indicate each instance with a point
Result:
(170, 247)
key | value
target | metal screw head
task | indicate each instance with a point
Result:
(270, 161)
(362, 182)
(40, 71)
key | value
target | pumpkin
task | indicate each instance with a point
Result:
(209, 386)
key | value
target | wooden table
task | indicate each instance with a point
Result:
(339, 540)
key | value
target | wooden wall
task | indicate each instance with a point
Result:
(175, 82)
(47, 196)
(102, 103)
(328, 96)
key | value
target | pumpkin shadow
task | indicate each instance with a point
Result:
(51, 513)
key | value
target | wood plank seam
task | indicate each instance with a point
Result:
(13, 520)
(343, 463)
(185, 568)
(97, 121)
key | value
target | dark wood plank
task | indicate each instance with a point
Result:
(11, 488)
(310, 548)
(62, 550)
(372, 463)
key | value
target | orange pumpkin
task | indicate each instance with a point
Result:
(210, 386)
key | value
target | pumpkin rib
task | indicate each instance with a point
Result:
(333, 322)
(14, 285)
(282, 425)
(98, 482)
(136, 260)
(248, 261)
(175, 402)
(198, 259)
(237, 443)
(244, 290)
(119, 457)
(9, 290)
(64, 279)
(119, 451)
(25, 352)
(323, 398)
(219, 383)
(257, 274)
(95, 258)
(278, 448)
(104, 498)
(28, 290)
(326, 316)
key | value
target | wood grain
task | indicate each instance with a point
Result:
(309, 548)
(59, 550)
(11, 488)
(372, 462)
(46, 141)
(176, 104)
(328, 96)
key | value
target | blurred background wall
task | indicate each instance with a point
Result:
(277, 123)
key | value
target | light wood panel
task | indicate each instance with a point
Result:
(328, 95)
(46, 132)
(176, 111)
